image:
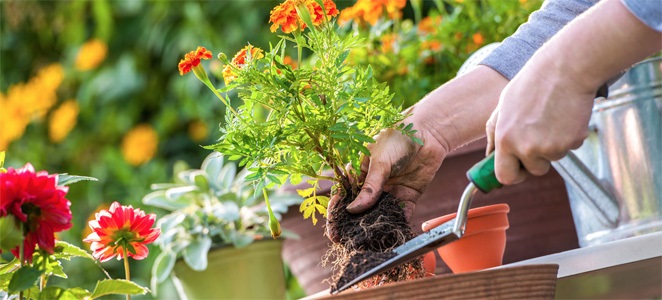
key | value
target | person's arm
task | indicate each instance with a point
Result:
(452, 115)
(517, 49)
(544, 110)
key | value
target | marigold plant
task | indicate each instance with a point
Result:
(321, 115)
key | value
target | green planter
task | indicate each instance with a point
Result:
(253, 272)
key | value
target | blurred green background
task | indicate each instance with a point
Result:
(92, 88)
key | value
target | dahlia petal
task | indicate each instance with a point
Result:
(141, 251)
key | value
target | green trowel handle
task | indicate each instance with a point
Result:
(482, 175)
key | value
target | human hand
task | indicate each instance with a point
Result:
(397, 165)
(540, 117)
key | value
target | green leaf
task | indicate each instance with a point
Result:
(195, 255)
(163, 265)
(159, 199)
(199, 178)
(10, 233)
(65, 250)
(66, 179)
(2, 161)
(55, 292)
(4, 281)
(364, 138)
(306, 192)
(10, 266)
(118, 287)
(24, 278)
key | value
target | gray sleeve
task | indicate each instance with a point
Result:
(516, 50)
(648, 12)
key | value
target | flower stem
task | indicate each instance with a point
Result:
(213, 89)
(21, 258)
(127, 271)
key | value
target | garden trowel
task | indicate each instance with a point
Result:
(481, 177)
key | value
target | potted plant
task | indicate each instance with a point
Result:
(321, 114)
(216, 215)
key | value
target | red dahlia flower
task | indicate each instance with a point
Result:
(121, 231)
(38, 203)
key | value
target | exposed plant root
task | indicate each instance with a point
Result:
(366, 240)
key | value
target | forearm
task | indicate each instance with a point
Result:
(590, 49)
(456, 112)
(517, 49)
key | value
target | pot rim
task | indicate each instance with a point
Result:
(473, 213)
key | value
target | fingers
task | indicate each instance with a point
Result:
(490, 127)
(330, 232)
(376, 176)
(507, 168)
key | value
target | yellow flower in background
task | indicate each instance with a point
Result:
(198, 131)
(91, 55)
(27, 101)
(49, 77)
(13, 120)
(139, 145)
(63, 120)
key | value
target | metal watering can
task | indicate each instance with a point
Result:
(614, 180)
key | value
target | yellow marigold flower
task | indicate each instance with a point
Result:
(91, 55)
(63, 120)
(198, 131)
(139, 145)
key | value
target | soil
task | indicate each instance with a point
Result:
(366, 240)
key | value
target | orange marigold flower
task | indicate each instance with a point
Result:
(192, 59)
(243, 57)
(288, 60)
(286, 17)
(478, 39)
(429, 25)
(371, 10)
(388, 42)
(317, 13)
(121, 231)
(431, 45)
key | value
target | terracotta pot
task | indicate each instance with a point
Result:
(483, 243)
